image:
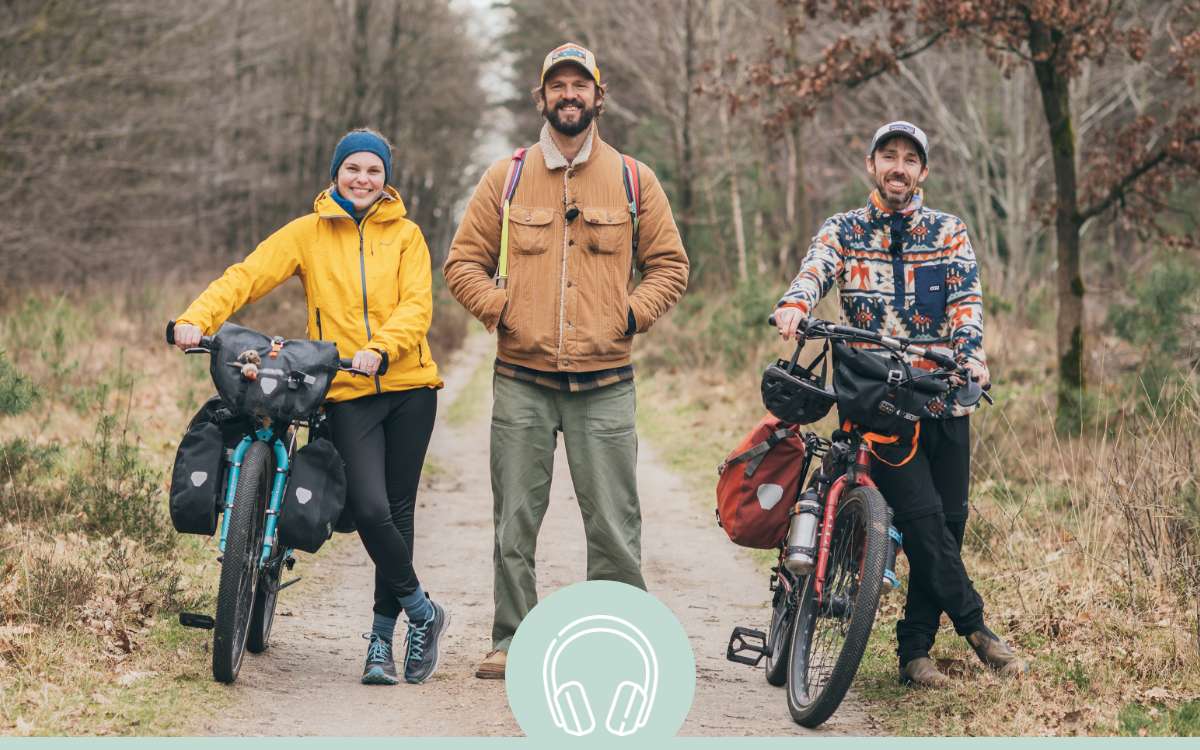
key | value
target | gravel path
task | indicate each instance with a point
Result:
(307, 682)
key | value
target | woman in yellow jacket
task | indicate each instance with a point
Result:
(366, 275)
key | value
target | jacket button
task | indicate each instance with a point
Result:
(571, 243)
(570, 284)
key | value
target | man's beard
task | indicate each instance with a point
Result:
(885, 193)
(586, 116)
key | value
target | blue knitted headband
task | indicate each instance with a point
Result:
(356, 141)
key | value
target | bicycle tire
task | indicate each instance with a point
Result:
(818, 678)
(262, 614)
(239, 566)
(779, 636)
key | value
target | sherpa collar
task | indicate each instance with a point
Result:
(555, 159)
(877, 210)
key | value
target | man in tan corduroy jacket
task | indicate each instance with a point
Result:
(566, 317)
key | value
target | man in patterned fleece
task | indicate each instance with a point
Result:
(905, 270)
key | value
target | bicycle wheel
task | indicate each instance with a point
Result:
(779, 636)
(262, 614)
(239, 566)
(828, 639)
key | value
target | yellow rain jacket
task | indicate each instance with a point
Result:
(368, 285)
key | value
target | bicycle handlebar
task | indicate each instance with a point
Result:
(825, 329)
(345, 364)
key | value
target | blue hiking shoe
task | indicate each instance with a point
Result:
(421, 652)
(379, 669)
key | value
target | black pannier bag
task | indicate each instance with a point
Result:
(201, 463)
(196, 480)
(287, 386)
(314, 498)
(880, 393)
(345, 522)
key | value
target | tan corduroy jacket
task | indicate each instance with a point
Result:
(569, 287)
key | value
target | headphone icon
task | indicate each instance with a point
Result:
(632, 701)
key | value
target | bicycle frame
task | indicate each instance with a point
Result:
(858, 476)
(282, 468)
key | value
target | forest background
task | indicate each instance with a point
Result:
(145, 146)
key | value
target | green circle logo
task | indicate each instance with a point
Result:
(599, 660)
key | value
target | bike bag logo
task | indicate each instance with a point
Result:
(769, 495)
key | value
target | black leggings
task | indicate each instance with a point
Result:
(383, 439)
(929, 497)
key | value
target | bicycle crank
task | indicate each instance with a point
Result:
(195, 620)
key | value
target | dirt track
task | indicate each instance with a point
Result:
(307, 682)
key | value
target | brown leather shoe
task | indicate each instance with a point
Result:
(995, 653)
(492, 666)
(922, 672)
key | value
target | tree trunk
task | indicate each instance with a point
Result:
(686, 169)
(735, 194)
(1055, 90)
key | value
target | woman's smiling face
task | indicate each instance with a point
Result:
(360, 179)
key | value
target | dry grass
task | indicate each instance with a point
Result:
(1087, 552)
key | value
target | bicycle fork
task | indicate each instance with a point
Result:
(277, 487)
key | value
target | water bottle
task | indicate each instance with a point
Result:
(895, 538)
(800, 554)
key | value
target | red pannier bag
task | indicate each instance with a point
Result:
(758, 485)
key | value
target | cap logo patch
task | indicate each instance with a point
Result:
(569, 52)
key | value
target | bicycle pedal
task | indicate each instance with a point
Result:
(194, 620)
(743, 640)
(283, 586)
(290, 562)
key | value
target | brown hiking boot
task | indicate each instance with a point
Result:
(995, 653)
(492, 666)
(922, 672)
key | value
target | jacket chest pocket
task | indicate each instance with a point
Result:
(930, 284)
(530, 230)
(605, 230)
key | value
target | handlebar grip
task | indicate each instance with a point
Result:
(771, 320)
(347, 364)
(206, 342)
(941, 360)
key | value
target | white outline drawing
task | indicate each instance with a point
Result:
(569, 692)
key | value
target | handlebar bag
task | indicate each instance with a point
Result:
(880, 392)
(291, 381)
(201, 465)
(314, 498)
(759, 483)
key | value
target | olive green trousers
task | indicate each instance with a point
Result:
(601, 441)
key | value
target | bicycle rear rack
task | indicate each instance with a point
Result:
(744, 640)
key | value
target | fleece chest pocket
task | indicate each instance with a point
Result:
(530, 230)
(605, 230)
(930, 282)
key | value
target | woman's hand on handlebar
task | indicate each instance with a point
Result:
(187, 336)
(367, 361)
(787, 320)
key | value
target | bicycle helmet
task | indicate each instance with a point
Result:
(794, 393)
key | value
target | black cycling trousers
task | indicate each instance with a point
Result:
(929, 498)
(383, 439)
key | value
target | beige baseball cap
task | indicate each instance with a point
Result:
(574, 54)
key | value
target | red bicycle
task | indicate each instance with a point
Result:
(840, 549)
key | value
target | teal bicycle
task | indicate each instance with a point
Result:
(256, 474)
